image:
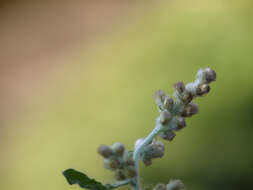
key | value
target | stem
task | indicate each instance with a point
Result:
(139, 149)
(126, 182)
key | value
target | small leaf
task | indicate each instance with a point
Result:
(76, 177)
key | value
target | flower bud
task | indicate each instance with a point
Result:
(129, 159)
(168, 103)
(180, 123)
(202, 89)
(147, 161)
(187, 97)
(165, 117)
(105, 151)
(179, 86)
(160, 145)
(111, 164)
(191, 88)
(169, 135)
(209, 74)
(130, 172)
(189, 110)
(119, 175)
(159, 97)
(155, 151)
(160, 187)
(118, 149)
(130, 162)
(175, 185)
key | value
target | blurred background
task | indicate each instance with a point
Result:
(77, 74)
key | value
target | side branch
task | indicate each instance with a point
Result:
(139, 149)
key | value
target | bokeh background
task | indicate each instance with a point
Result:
(77, 74)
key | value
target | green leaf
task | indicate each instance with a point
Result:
(76, 177)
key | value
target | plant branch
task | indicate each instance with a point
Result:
(124, 163)
(126, 182)
(139, 149)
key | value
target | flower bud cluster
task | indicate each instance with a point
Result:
(201, 85)
(172, 113)
(117, 159)
(172, 185)
(153, 150)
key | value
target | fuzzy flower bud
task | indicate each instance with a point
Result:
(160, 187)
(206, 75)
(105, 151)
(180, 123)
(210, 75)
(168, 103)
(159, 97)
(160, 145)
(175, 185)
(179, 86)
(130, 172)
(165, 117)
(202, 89)
(118, 149)
(111, 164)
(155, 151)
(189, 110)
(187, 97)
(147, 161)
(191, 88)
(168, 135)
(151, 151)
(119, 175)
(128, 159)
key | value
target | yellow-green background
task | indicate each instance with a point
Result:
(105, 96)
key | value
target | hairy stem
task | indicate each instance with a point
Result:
(139, 149)
(122, 183)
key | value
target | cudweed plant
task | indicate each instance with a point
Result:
(125, 164)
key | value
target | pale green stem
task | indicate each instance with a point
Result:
(140, 148)
(137, 152)
(122, 183)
